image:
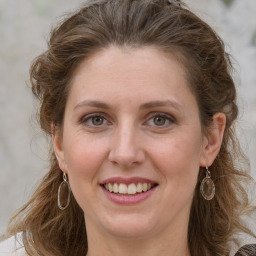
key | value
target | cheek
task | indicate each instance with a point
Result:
(84, 161)
(83, 158)
(179, 157)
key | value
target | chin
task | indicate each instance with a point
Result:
(129, 226)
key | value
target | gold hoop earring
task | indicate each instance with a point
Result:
(66, 183)
(207, 187)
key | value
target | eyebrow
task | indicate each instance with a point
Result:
(158, 103)
(151, 104)
(92, 103)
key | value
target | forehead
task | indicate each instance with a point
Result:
(130, 73)
(116, 62)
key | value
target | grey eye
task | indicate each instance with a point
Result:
(159, 121)
(97, 120)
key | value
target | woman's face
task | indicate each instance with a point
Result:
(132, 127)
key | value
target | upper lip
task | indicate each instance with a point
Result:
(127, 180)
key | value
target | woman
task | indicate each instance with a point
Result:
(139, 102)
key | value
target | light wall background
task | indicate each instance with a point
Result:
(24, 27)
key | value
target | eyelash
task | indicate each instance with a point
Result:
(85, 119)
(167, 117)
(170, 119)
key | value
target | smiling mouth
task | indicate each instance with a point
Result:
(129, 189)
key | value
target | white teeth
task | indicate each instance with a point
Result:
(115, 188)
(123, 188)
(110, 187)
(145, 187)
(139, 187)
(130, 189)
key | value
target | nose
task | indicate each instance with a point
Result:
(126, 147)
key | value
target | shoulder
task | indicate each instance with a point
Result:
(246, 245)
(247, 250)
(12, 247)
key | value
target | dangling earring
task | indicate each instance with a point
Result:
(64, 182)
(207, 187)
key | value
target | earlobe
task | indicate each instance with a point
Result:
(58, 148)
(213, 139)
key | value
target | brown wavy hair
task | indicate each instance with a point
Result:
(171, 27)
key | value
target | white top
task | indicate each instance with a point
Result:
(245, 238)
(12, 247)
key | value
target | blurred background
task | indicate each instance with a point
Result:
(24, 28)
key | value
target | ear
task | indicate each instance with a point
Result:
(213, 139)
(58, 147)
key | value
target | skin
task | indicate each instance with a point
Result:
(127, 141)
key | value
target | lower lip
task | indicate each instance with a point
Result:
(128, 200)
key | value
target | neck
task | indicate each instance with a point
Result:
(174, 244)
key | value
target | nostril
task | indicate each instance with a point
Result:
(126, 159)
(125, 149)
